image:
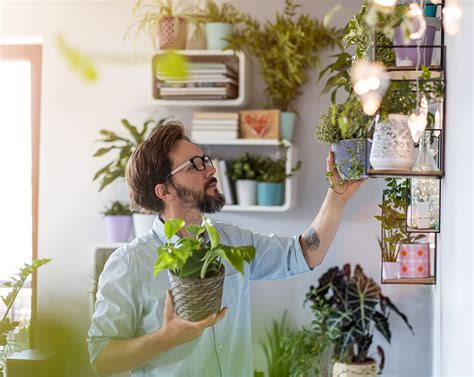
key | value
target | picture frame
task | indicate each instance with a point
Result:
(260, 124)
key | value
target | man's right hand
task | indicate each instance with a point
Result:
(178, 330)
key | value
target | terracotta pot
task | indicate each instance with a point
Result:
(172, 33)
(365, 369)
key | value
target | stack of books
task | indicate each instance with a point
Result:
(210, 81)
(215, 126)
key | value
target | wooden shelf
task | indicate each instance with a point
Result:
(404, 174)
(423, 281)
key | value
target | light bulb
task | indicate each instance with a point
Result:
(385, 6)
(371, 103)
(368, 76)
(373, 83)
(451, 16)
(361, 87)
(416, 21)
(436, 2)
(417, 124)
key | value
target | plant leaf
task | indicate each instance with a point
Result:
(173, 226)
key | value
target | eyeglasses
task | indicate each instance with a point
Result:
(199, 163)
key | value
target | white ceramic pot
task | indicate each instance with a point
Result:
(246, 192)
(392, 145)
(367, 369)
(390, 270)
(142, 223)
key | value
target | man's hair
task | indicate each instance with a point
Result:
(149, 164)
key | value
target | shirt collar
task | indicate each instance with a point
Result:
(159, 229)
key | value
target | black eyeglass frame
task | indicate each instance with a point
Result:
(206, 162)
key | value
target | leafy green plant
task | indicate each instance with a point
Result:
(199, 255)
(124, 146)
(343, 121)
(306, 350)
(286, 51)
(360, 310)
(226, 13)
(274, 349)
(274, 170)
(243, 167)
(393, 219)
(117, 208)
(7, 326)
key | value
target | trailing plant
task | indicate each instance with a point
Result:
(117, 208)
(360, 310)
(286, 51)
(226, 13)
(393, 219)
(306, 350)
(124, 146)
(7, 326)
(343, 121)
(273, 348)
(243, 167)
(200, 254)
(274, 170)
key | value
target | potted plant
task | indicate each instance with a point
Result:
(360, 310)
(123, 147)
(345, 127)
(118, 221)
(271, 178)
(219, 23)
(243, 172)
(286, 51)
(195, 267)
(166, 21)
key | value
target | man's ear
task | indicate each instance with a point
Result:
(162, 191)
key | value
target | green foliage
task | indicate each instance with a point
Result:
(274, 348)
(393, 219)
(286, 51)
(7, 326)
(117, 208)
(360, 310)
(274, 170)
(226, 13)
(171, 64)
(199, 255)
(305, 350)
(343, 121)
(124, 146)
(243, 167)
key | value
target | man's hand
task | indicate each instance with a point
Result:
(181, 331)
(344, 189)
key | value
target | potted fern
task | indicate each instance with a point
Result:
(242, 171)
(118, 221)
(195, 267)
(286, 51)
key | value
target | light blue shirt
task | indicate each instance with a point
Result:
(130, 303)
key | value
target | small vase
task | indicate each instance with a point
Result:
(172, 33)
(350, 157)
(392, 145)
(270, 194)
(216, 32)
(414, 260)
(246, 192)
(118, 228)
(287, 125)
(142, 223)
(390, 270)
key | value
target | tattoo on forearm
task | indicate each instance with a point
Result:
(311, 239)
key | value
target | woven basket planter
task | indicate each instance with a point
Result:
(367, 369)
(195, 299)
(173, 33)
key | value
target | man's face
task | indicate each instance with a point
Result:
(196, 189)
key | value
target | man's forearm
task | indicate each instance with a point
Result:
(123, 355)
(315, 240)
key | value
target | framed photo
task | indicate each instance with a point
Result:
(260, 124)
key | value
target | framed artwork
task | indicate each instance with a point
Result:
(260, 124)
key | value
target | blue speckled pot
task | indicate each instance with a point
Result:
(343, 152)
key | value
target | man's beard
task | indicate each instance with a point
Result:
(204, 202)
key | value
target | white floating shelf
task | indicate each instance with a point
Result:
(239, 208)
(256, 142)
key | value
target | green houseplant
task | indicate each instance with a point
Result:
(195, 268)
(286, 51)
(360, 310)
(118, 221)
(7, 326)
(242, 171)
(165, 20)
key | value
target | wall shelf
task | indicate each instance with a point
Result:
(425, 281)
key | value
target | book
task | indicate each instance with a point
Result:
(215, 115)
(215, 135)
(216, 122)
(226, 186)
(204, 79)
(215, 128)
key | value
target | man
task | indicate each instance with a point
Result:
(134, 326)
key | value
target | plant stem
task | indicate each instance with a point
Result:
(215, 349)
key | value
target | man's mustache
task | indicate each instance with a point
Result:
(211, 182)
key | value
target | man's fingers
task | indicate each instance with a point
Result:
(212, 319)
(169, 305)
(330, 164)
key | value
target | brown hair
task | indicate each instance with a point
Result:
(149, 164)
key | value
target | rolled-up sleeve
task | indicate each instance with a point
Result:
(116, 312)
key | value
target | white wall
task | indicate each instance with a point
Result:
(70, 224)
(453, 332)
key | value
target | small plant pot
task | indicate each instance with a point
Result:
(172, 33)
(118, 228)
(414, 260)
(392, 145)
(216, 32)
(287, 125)
(196, 299)
(365, 369)
(350, 157)
(246, 192)
(430, 10)
(403, 55)
(270, 194)
(142, 223)
(390, 270)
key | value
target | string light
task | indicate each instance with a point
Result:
(451, 16)
(417, 122)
